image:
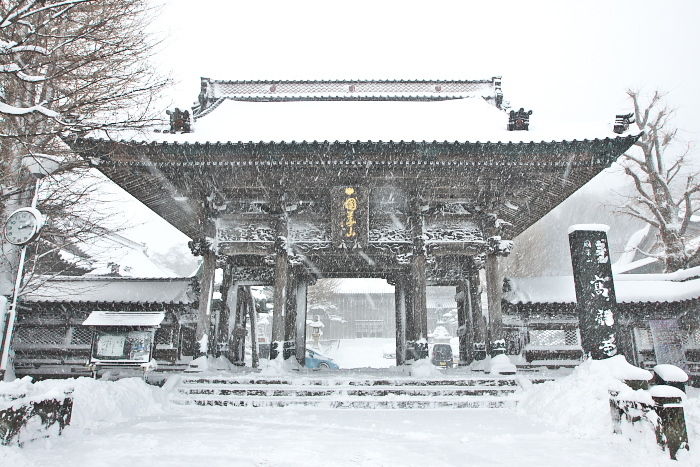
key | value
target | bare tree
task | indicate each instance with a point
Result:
(667, 187)
(321, 295)
(69, 66)
(76, 63)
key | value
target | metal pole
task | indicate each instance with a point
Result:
(10, 322)
(12, 314)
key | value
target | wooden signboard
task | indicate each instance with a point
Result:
(350, 217)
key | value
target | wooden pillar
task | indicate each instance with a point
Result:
(231, 303)
(253, 312)
(279, 300)
(464, 321)
(302, 287)
(411, 331)
(203, 333)
(420, 308)
(478, 319)
(290, 315)
(494, 292)
(239, 324)
(400, 305)
(419, 336)
(223, 322)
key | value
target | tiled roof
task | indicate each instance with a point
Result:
(112, 289)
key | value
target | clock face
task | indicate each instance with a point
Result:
(23, 226)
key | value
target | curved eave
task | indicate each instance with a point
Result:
(558, 168)
(606, 150)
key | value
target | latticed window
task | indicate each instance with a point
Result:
(644, 338)
(40, 335)
(693, 338)
(553, 337)
(81, 336)
(164, 336)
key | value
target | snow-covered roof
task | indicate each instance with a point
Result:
(110, 253)
(626, 260)
(629, 288)
(213, 91)
(112, 289)
(121, 318)
(469, 119)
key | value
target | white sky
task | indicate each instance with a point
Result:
(562, 59)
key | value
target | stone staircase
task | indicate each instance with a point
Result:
(358, 392)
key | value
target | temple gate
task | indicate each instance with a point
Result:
(365, 194)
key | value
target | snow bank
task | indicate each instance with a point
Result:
(209, 363)
(423, 368)
(580, 402)
(278, 366)
(93, 401)
(114, 401)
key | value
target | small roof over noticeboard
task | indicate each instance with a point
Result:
(124, 318)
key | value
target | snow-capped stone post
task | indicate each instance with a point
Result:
(595, 290)
(671, 431)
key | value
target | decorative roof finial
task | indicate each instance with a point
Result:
(179, 121)
(519, 120)
(622, 123)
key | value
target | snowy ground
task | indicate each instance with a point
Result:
(359, 353)
(304, 437)
(564, 422)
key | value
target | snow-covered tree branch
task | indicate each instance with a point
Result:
(69, 66)
(665, 182)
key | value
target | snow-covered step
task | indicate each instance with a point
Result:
(472, 402)
(305, 391)
(238, 391)
(497, 381)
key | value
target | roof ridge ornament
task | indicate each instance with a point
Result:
(520, 120)
(179, 121)
(623, 122)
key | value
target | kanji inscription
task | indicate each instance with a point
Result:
(595, 292)
(350, 217)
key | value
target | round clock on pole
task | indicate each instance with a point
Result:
(23, 226)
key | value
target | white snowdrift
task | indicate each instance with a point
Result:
(580, 402)
(94, 401)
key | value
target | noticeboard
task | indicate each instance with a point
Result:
(122, 346)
